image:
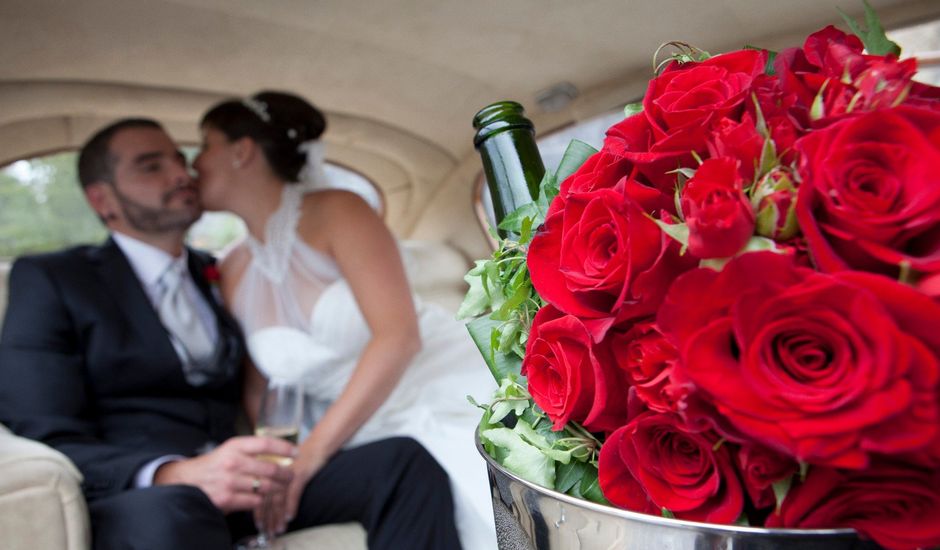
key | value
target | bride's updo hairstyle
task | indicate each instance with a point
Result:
(277, 121)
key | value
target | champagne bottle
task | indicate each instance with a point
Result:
(512, 164)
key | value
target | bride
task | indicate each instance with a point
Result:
(319, 287)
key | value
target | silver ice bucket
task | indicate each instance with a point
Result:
(529, 517)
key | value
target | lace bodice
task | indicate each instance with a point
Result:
(280, 232)
(286, 277)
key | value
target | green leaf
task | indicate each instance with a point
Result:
(781, 488)
(508, 333)
(678, 231)
(548, 191)
(569, 475)
(804, 469)
(758, 244)
(873, 34)
(818, 109)
(688, 173)
(631, 109)
(476, 301)
(535, 438)
(502, 409)
(769, 69)
(768, 158)
(667, 514)
(522, 459)
(511, 397)
(514, 220)
(767, 219)
(771, 55)
(525, 233)
(591, 488)
(575, 155)
(500, 364)
(519, 296)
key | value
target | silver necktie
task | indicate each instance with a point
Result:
(181, 319)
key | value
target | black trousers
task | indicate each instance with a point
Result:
(393, 487)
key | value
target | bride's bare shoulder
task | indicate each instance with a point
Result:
(232, 263)
(324, 211)
(331, 202)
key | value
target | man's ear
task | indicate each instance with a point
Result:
(100, 197)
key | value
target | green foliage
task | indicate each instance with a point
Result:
(771, 56)
(42, 207)
(501, 303)
(872, 34)
(520, 437)
(781, 488)
(682, 53)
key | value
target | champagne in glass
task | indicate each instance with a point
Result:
(287, 433)
(279, 416)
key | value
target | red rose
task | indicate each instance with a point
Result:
(687, 98)
(884, 83)
(719, 216)
(633, 139)
(647, 359)
(828, 369)
(566, 378)
(602, 259)
(760, 468)
(776, 108)
(605, 170)
(738, 140)
(924, 95)
(826, 56)
(657, 462)
(894, 504)
(832, 77)
(601, 170)
(869, 197)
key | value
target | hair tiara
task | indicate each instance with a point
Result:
(260, 109)
(257, 107)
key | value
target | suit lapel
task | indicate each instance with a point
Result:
(231, 340)
(131, 299)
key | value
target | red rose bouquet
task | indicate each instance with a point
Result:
(729, 313)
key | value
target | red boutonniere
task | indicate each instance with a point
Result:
(211, 273)
(213, 277)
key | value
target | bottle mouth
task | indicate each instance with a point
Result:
(499, 117)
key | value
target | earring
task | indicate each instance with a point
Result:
(236, 163)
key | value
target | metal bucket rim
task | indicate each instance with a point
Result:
(658, 520)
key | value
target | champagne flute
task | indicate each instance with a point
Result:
(279, 416)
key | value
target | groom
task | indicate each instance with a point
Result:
(121, 357)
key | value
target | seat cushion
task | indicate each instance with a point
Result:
(41, 502)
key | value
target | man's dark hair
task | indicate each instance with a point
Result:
(95, 161)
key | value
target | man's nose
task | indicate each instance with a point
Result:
(182, 174)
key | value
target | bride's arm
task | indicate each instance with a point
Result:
(368, 258)
(232, 268)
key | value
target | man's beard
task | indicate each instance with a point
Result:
(147, 219)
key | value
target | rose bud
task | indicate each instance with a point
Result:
(719, 216)
(776, 207)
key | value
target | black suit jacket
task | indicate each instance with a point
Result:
(87, 367)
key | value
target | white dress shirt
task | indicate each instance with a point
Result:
(149, 263)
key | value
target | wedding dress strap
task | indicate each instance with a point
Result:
(280, 232)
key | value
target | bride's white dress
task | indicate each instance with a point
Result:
(302, 321)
